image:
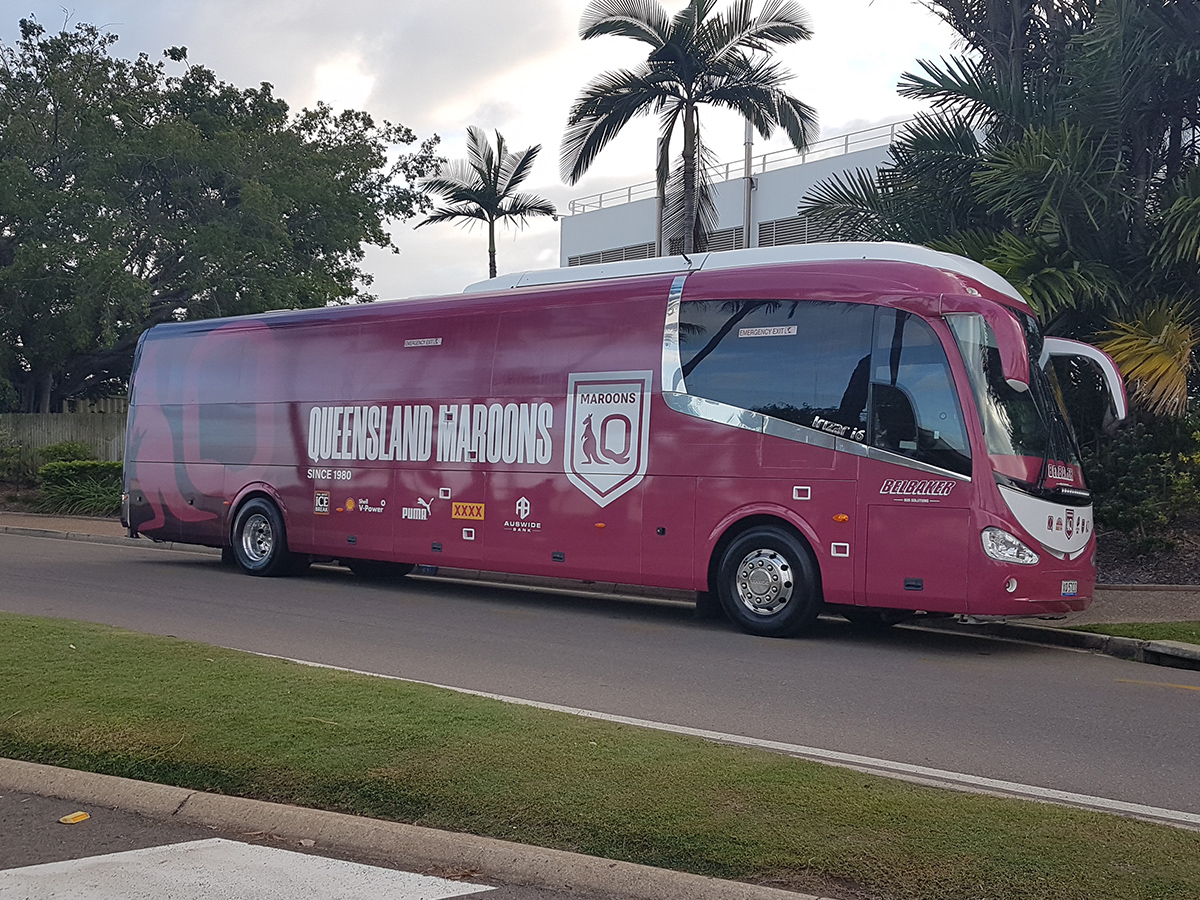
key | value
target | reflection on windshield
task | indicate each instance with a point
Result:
(1026, 432)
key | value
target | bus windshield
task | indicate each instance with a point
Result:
(1029, 439)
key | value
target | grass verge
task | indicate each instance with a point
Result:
(158, 709)
(1186, 632)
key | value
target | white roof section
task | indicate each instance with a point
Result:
(755, 256)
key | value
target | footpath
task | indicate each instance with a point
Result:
(424, 849)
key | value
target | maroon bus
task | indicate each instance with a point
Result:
(871, 429)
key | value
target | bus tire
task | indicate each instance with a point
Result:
(375, 570)
(767, 583)
(259, 541)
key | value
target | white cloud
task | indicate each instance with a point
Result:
(341, 83)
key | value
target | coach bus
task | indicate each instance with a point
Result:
(868, 429)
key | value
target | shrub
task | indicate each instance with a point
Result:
(1146, 480)
(81, 488)
(10, 457)
(65, 451)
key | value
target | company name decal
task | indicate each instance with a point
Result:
(906, 488)
(466, 432)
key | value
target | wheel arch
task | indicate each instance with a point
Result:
(250, 492)
(729, 529)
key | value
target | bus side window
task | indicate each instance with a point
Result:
(801, 361)
(915, 411)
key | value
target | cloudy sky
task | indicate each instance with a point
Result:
(438, 66)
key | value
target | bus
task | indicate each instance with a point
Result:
(873, 430)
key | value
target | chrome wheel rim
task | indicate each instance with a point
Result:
(764, 582)
(258, 538)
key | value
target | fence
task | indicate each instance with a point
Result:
(103, 432)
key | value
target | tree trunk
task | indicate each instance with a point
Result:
(491, 248)
(689, 180)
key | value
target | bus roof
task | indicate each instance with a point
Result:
(756, 256)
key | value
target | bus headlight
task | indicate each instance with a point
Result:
(1002, 546)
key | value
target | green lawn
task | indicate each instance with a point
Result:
(163, 710)
(1187, 632)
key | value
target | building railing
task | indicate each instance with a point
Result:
(839, 145)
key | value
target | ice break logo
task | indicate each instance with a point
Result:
(607, 432)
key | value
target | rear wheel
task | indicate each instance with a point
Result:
(767, 583)
(259, 540)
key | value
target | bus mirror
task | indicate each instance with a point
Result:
(1014, 350)
(1056, 346)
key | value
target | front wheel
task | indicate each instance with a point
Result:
(767, 583)
(259, 541)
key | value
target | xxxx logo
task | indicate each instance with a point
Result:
(466, 511)
(607, 432)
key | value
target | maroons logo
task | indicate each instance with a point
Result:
(607, 432)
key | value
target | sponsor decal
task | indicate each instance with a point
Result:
(418, 513)
(466, 432)
(521, 523)
(466, 511)
(1058, 525)
(775, 331)
(423, 342)
(366, 506)
(1049, 523)
(903, 487)
(321, 503)
(607, 437)
(350, 504)
(1070, 522)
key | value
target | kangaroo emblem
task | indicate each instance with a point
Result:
(591, 447)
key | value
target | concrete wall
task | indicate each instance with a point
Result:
(776, 196)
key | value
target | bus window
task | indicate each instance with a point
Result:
(914, 407)
(805, 362)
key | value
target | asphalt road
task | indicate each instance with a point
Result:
(1052, 718)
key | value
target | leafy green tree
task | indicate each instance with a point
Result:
(130, 198)
(696, 57)
(1063, 153)
(483, 188)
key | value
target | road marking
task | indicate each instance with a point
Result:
(217, 867)
(1166, 684)
(889, 768)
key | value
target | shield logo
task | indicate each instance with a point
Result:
(607, 432)
(1070, 522)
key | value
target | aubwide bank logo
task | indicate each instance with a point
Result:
(607, 432)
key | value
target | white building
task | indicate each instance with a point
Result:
(622, 224)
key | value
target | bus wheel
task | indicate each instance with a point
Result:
(373, 570)
(259, 543)
(767, 583)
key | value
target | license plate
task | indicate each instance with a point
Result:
(1070, 588)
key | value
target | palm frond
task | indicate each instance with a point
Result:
(1155, 351)
(641, 20)
(606, 106)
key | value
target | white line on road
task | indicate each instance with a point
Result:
(199, 870)
(890, 768)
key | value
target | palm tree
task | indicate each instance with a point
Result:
(696, 57)
(483, 188)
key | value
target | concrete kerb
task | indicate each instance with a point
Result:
(408, 846)
(1172, 654)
